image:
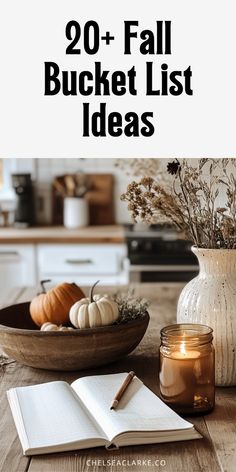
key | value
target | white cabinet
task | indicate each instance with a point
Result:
(83, 263)
(17, 267)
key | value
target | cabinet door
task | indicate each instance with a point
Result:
(82, 263)
(17, 267)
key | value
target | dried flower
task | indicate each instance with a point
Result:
(192, 202)
(173, 167)
(130, 307)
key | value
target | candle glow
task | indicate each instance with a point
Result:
(183, 348)
(187, 370)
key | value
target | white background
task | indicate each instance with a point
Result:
(203, 36)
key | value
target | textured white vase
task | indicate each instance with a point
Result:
(210, 299)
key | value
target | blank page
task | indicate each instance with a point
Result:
(138, 410)
(51, 414)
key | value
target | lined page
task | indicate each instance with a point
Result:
(51, 414)
(138, 410)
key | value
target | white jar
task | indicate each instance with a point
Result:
(75, 212)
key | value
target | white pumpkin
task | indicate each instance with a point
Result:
(65, 328)
(53, 327)
(95, 311)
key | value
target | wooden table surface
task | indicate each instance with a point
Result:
(216, 452)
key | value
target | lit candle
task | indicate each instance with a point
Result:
(187, 368)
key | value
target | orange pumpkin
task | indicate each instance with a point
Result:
(54, 305)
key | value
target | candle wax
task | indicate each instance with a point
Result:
(185, 355)
(183, 378)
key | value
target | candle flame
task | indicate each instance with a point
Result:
(182, 348)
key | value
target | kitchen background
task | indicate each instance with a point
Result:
(116, 253)
(43, 172)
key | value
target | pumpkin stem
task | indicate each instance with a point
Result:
(42, 282)
(91, 292)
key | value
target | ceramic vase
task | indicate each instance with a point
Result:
(210, 299)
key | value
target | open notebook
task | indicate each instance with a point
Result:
(56, 416)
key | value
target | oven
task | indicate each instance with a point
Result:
(156, 254)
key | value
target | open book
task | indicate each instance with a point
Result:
(56, 416)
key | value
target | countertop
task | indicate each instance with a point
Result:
(59, 234)
(215, 452)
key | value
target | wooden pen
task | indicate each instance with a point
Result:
(122, 389)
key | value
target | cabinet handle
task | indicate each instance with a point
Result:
(9, 253)
(79, 261)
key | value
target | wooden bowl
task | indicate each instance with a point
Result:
(79, 349)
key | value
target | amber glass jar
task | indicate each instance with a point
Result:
(187, 368)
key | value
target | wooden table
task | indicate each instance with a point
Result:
(216, 452)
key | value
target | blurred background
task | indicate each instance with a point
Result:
(63, 219)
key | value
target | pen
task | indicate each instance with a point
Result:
(122, 389)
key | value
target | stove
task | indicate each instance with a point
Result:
(157, 254)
